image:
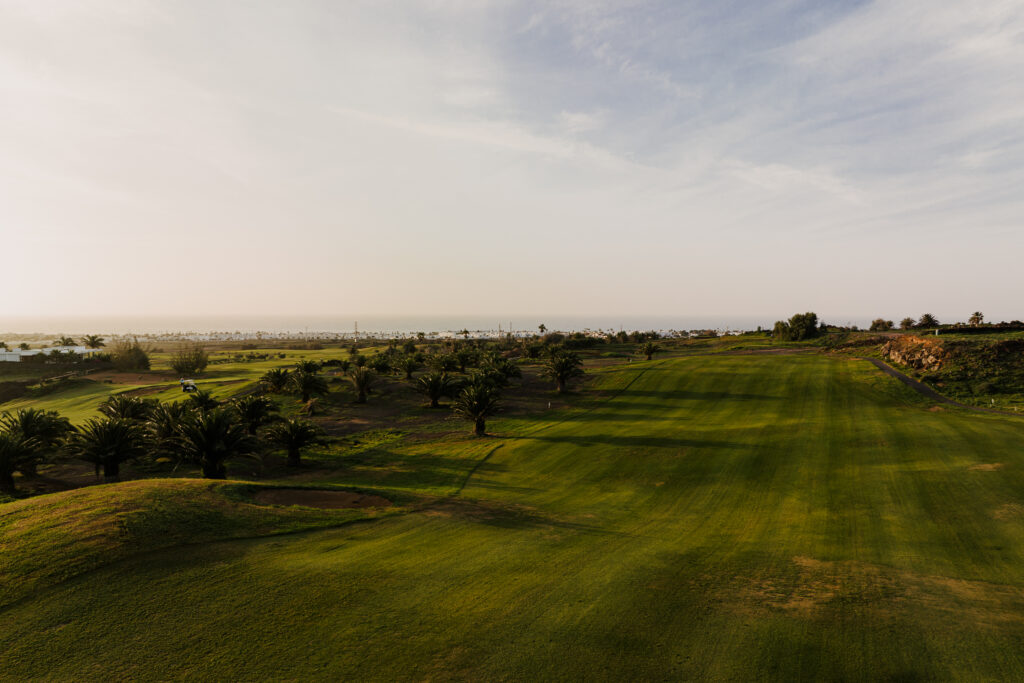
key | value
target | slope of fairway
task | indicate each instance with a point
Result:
(723, 518)
(48, 539)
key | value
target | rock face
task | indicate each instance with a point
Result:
(915, 352)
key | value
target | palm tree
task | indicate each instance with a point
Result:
(976, 318)
(108, 443)
(435, 385)
(93, 341)
(16, 450)
(276, 380)
(307, 384)
(23, 346)
(649, 349)
(543, 328)
(408, 365)
(362, 380)
(500, 370)
(163, 423)
(476, 402)
(254, 411)
(443, 362)
(209, 439)
(928, 320)
(65, 341)
(562, 367)
(127, 407)
(308, 366)
(46, 427)
(294, 435)
(3, 345)
(202, 401)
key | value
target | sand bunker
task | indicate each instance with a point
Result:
(328, 500)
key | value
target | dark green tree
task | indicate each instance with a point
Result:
(311, 367)
(293, 436)
(563, 367)
(16, 452)
(127, 407)
(362, 381)
(307, 384)
(435, 386)
(927, 321)
(407, 365)
(202, 401)
(212, 438)
(45, 427)
(276, 381)
(107, 444)
(254, 411)
(476, 402)
(648, 349)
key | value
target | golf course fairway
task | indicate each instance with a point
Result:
(715, 517)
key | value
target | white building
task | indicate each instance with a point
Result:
(15, 355)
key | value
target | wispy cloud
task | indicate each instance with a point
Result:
(657, 144)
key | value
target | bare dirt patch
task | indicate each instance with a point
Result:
(327, 500)
(986, 467)
(131, 377)
(1009, 511)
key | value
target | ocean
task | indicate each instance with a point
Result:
(364, 324)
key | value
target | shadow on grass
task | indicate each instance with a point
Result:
(510, 516)
(636, 442)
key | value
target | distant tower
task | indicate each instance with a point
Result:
(357, 329)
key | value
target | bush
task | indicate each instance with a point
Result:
(190, 360)
(129, 355)
(800, 327)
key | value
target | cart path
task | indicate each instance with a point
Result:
(926, 390)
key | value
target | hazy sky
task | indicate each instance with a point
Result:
(207, 157)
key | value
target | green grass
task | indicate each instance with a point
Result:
(710, 517)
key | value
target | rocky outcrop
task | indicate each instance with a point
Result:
(915, 352)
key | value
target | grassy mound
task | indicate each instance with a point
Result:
(49, 539)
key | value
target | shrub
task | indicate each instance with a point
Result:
(190, 360)
(129, 355)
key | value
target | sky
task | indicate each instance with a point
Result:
(476, 157)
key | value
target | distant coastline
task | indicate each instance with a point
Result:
(347, 325)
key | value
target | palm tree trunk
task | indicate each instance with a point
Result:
(293, 457)
(7, 482)
(434, 403)
(362, 397)
(480, 427)
(214, 470)
(561, 386)
(111, 471)
(28, 470)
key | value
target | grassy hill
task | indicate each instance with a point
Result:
(723, 517)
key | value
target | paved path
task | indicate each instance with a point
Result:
(926, 390)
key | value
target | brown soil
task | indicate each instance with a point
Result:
(327, 500)
(130, 377)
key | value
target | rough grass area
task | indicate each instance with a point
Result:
(49, 539)
(714, 517)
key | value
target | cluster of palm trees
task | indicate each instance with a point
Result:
(475, 392)
(200, 431)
